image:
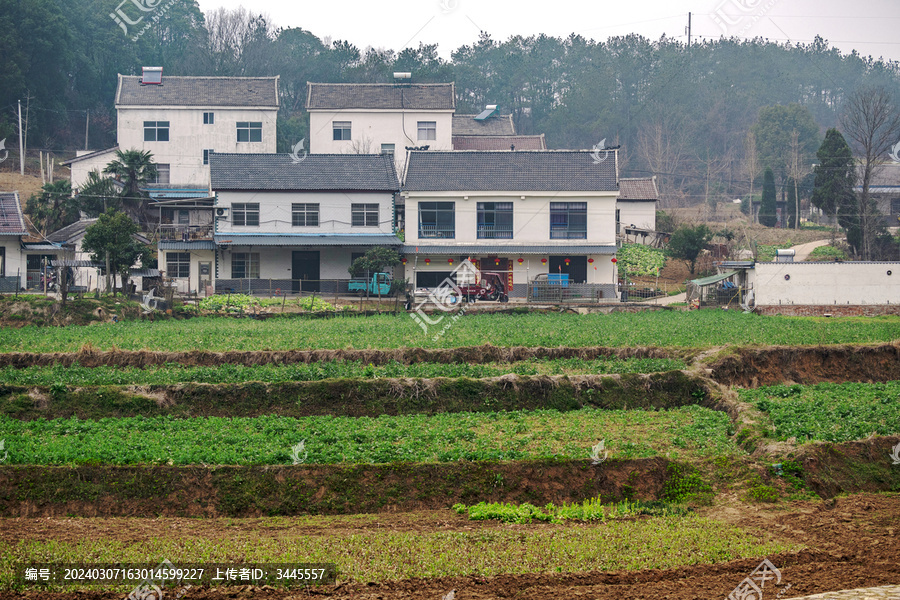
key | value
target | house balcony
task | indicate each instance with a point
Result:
(185, 233)
(495, 232)
(568, 234)
(428, 232)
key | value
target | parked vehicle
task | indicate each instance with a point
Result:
(379, 284)
(490, 287)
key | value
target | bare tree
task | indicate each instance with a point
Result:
(796, 171)
(662, 147)
(871, 120)
(232, 39)
(362, 145)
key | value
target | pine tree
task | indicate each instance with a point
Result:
(833, 187)
(767, 213)
(791, 205)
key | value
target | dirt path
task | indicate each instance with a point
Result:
(851, 541)
(802, 251)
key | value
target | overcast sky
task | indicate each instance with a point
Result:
(872, 27)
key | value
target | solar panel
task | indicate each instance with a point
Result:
(487, 112)
(151, 75)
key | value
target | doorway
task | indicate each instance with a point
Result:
(305, 267)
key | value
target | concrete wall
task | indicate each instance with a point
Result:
(80, 169)
(188, 137)
(276, 262)
(370, 129)
(334, 212)
(191, 284)
(640, 214)
(823, 284)
(531, 216)
(14, 261)
(602, 270)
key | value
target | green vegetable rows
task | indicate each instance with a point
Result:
(413, 438)
(829, 412)
(661, 328)
(228, 373)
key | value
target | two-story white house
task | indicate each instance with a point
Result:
(180, 120)
(369, 118)
(520, 214)
(288, 225)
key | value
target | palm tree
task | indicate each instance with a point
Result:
(97, 194)
(133, 168)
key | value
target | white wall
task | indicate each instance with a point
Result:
(602, 270)
(640, 214)
(80, 169)
(188, 136)
(334, 212)
(531, 216)
(826, 283)
(192, 283)
(378, 127)
(14, 262)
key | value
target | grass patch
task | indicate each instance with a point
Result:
(652, 543)
(516, 435)
(828, 412)
(694, 329)
(592, 509)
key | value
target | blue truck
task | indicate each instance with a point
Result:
(379, 284)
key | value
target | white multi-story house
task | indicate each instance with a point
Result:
(521, 214)
(370, 118)
(636, 209)
(284, 224)
(180, 120)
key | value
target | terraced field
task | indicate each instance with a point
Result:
(612, 456)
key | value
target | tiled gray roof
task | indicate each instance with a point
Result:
(499, 142)
(886, 175)
(11, 221)
(638, 188)
(387, 96)
(199, 91)
(70, 232)
(526, 171)
(362, 172)
(498, 125)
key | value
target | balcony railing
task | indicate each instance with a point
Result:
(568, 234)
(185, 233)
(435, 232)
(495, 232)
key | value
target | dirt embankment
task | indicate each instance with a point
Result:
(752, 367)
(232, 491)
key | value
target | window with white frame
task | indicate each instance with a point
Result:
(568, 220)
(245, 265)
(249, 131)
(209, 118)
(495, 220)
(305, 215)
(341, 130)
(178, 264)
(156, 131)
(387, 149)
(427, 130)
(364, 215)
(245, 214)
(437, 220)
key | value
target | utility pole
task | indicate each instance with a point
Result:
(87, 120)
(689, 30)
(21, 146)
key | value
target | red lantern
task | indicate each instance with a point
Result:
(521, 260)
(590, 261)
(450, 260)
(614, 260)
(428, 261)
(568, 260)
(543, 261)
(403, 260)
(497, 262)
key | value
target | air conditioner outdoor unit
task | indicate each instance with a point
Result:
(221, 211)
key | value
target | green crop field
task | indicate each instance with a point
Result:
(694, 329)
(228, 373)
(517, 435)
(829, 412)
